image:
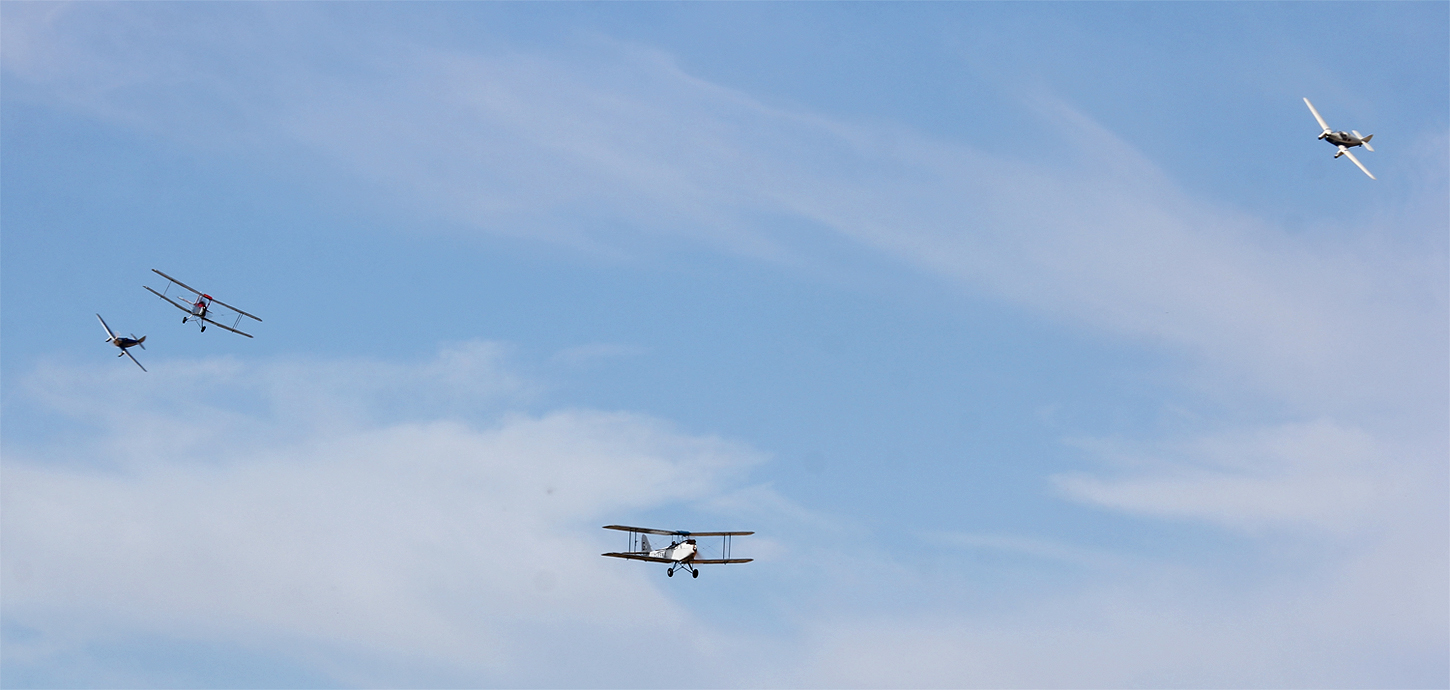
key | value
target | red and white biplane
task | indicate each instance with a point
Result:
(681, 553)
(202, 307)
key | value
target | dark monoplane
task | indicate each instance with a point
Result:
(123, 342)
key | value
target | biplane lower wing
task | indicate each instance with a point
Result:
(168, 299)
(712, 561)
(638, 557)
(221, 325)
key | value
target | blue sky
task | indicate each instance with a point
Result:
(1041, 344)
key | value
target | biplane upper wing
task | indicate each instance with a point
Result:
(168, 299)
(222, 325)
(721, 560)
(638, 557)
(228, 306)
(646, 530)
(163, 275)
(675, 533)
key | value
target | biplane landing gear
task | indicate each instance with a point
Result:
(694, 572)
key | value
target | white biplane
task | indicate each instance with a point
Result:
(201, 308)
(681, 553)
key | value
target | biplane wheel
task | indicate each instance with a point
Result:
(203, 329)
(670, 572)
(183, 319)
(694, 573)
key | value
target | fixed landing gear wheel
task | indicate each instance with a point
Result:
(670, 572)
(695, 574)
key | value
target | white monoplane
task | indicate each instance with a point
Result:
(1344, 140)
(122, 342)
(201, 308)
(682, 551)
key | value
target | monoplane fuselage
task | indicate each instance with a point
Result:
(1344, 139)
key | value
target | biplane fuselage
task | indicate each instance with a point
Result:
(200, 307)
(678, 552)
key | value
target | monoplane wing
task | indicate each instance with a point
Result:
(1320, 120)
(168, 299)
(133, 358)
(109, 335)
(638, 557)
(220, 325)
(712, 561)
(1347, 152)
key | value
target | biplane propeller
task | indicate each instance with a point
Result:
(122, 342)
(202, 307)
(1343, 140)
(680, 554)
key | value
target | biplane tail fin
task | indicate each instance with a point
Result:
(644, 542)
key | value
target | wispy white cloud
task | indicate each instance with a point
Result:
(431, 541)
(1316, 475)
